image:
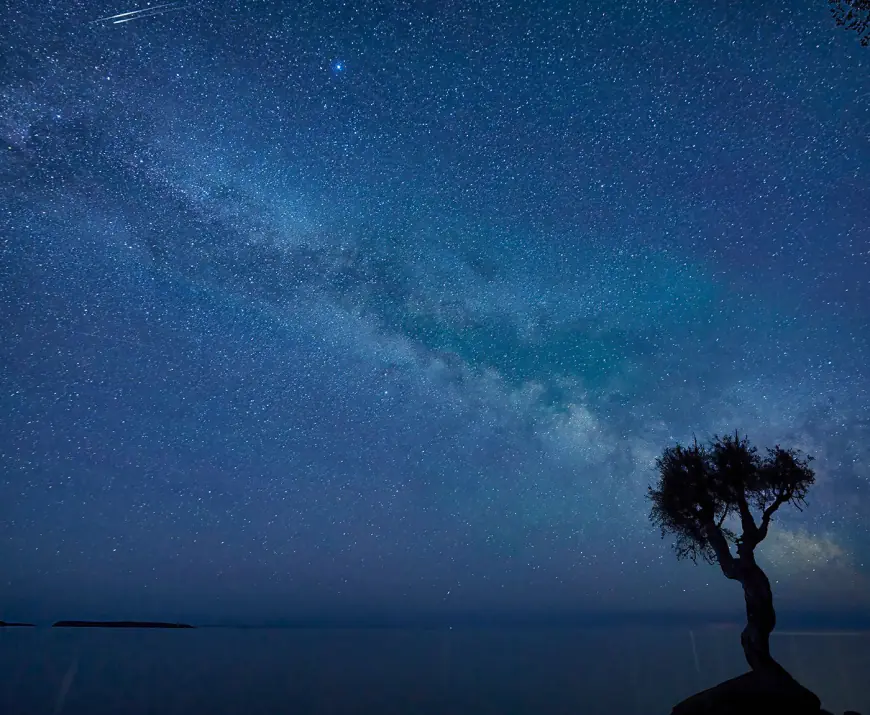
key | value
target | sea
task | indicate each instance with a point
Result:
(442, 670)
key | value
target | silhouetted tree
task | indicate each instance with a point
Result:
(700, 487)
(853, 15)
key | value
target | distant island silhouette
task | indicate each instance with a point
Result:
(4, 624)
(119, 624)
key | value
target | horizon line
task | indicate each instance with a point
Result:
(794, 621)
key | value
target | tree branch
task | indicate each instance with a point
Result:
(781, 498)
(750, 529)
(717, 540)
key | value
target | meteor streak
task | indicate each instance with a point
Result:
(143, 12)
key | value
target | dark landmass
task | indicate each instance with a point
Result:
(4, 624)
(754, 693)
(119, 624)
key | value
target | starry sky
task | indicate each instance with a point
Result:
(384, 306)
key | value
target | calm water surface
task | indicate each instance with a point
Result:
(458, 672)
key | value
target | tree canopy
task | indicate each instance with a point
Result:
(700, 486)
(853, 15)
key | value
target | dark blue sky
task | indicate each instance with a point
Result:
(321, 307)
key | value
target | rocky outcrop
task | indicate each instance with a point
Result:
(753, 694)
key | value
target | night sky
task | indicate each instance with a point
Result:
(378, 306)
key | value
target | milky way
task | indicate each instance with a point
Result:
(392, 306)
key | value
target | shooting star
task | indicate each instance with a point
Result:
(123, 17)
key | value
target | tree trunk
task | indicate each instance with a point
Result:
(760, 618)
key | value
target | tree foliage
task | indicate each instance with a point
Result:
(853, 15)
(700, 486)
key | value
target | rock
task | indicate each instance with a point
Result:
(753, 694)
